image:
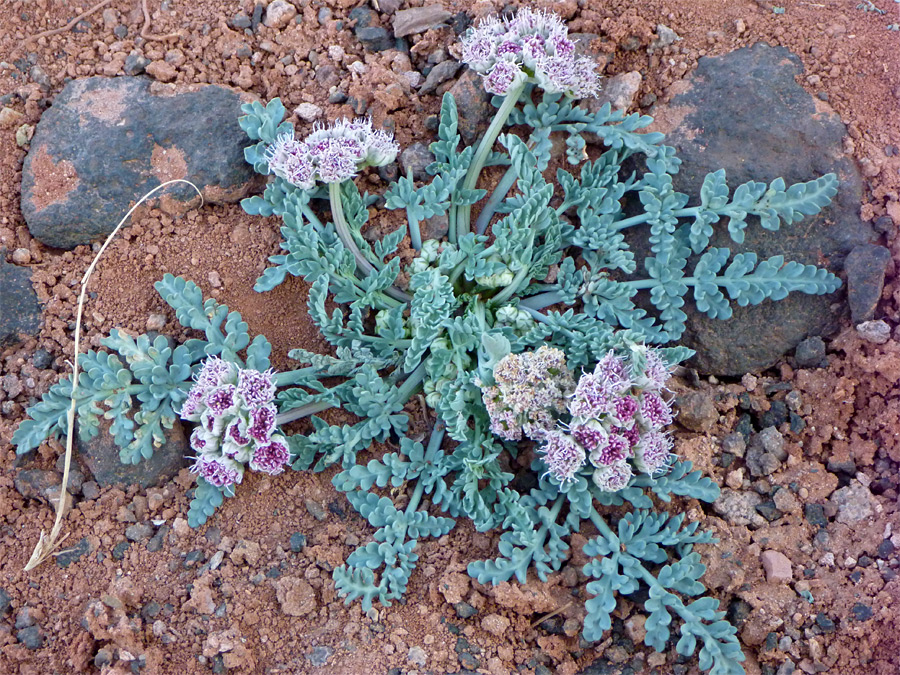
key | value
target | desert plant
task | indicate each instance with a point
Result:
(491, 328)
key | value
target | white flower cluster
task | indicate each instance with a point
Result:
(236, 415)
(617, 424)
(330, 154)
(530, 391)
(532, 46)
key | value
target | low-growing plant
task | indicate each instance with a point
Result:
(522, 330)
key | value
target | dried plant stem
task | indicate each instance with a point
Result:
(71, 24)
(145, 29)
(48, 544)
(552, 614)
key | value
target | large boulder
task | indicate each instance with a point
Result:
(745, 112)
(105, 142)
(19, 309)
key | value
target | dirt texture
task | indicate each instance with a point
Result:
(139, 591)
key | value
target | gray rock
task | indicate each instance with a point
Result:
(665, 37)
(139, 532)
(416, 158)
(772, 442)
(100, 456)
(31, 637)
(866, 266)
(135, 64)
(24, 618)
(34, 483)
(319, 656)
(20, 313)
(389, 6)
(418, 19)
(811, 353)
(876, 332)
(5, 602)
(442, 72)
(363, 16)
(41, 359)
(853, 503)
(74, 193)
(374, 38)
(734, 444)
(696, 411)
(73, 553)
(778, 131)
(739, 508)
(435, 227)
(473, 104)
(619, 91)
(240, 21)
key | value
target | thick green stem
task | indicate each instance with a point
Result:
(408, 388)
(464, 213)
(541, 300)
(343, 230)
(642, 218)
(289, 377)
(497, 196)
(303, 411)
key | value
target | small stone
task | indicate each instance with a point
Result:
(734, 444)
(853, 502)
(295, 596)
(240, 21)
(25, 618)
(374, 38)
(31, 637)
(319, 656)
(73, 553)
(861, 612)
(825, 623)
(468, 661)
(769, 511)
(696, 411)
(876, 332)
(735, 479)
(247, 552)
(297, 542)
(464, 610)
(90, 490)
(118, 552)
(162, 71)
(473, 104)
(866, 266)
(772, 442)
(315, 509)
(34, 483)
(418, 19)
(308, 111)
(279, 14)
(416, 158)
(21, 256)
(665, 37)
(619, 91)
(139, 531)
(156, 321)
(495, 624)
(775, 416)
(777, 566)
(885, 549)
(417, 656)
(811, 353)
(9, 118)
(442, 72)
(739, 508)
(24, 135)
(5, 602)
(786, 502)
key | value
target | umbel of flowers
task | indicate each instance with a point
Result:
(617, 413)
(235, 413)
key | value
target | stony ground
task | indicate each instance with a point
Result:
(807, 452)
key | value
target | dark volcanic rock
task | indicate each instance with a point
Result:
(473, 104)
(105, 142)
(866, 267)
(101, 457)
(19, 309)
(745, 112)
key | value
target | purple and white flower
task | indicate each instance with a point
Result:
(219, 471)
(653, 453)
(613, 477)
(272, 457)
(532, 46)
(562, 455)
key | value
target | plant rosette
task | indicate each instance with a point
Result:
(534, 329)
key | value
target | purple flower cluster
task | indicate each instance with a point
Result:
(530, 391)
(532, 46)
(330, 154)
(618, 417)
(236, 423)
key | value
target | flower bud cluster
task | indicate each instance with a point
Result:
(530, 391)
(330, 154)
(429, 255)
(236, 415)
(618, 417)
(532, 46)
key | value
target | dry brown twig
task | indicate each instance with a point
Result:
(552, 614)
(71, 24)
(146, 27)
(47, 545)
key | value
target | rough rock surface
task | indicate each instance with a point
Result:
(779, 130)
(866, 267)
(19, 309)
(105, 142)
(101, 457)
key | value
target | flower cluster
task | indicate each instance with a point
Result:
(530, 391)
(532, 46)
(236, 417)
(330, 154)
(618, 417)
